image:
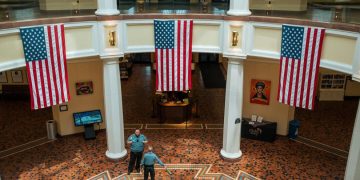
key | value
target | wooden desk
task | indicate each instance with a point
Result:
(177, 111)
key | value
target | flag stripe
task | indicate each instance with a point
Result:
(31, 85)
(186, 51)
(58, 62)
(322, 34)
(52, 63)
(62, 64)
(291, 81)
(177, 41)
(307, 73)
(63, 44)
(312, 68)
(190, 54)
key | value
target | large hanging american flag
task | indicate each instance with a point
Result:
(173, 54)
(299, 65)
(45, 56)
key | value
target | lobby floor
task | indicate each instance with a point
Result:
(71, 157)
(330, 123)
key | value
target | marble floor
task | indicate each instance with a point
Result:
(72, 157)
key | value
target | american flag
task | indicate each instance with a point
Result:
(45, 56)
(299, 65)
(173, 54)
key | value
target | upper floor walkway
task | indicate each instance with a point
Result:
(342, 13)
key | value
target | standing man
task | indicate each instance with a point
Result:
(148, 162)
(137, 142)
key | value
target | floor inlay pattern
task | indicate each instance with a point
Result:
(176, 170)
(173, 126)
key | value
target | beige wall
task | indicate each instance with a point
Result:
(11, 47)
(80, 70)
(67, 4)
(9, 78)
(282, 5)
(257, 69)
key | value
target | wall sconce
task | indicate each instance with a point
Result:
(112, 38)
(235, 39)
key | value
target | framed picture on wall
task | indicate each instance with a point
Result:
(260, 91)
(63, 108)
(3, 77)
(84, 88)
(17, 76)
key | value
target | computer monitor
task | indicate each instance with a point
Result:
(87, 117)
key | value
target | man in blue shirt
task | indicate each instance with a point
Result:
(148, 162)
(137, 141)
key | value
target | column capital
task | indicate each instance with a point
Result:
(107, 12)
(110, 60)
(234, 12)
(107, 8)
(236, 61)
(239, 8)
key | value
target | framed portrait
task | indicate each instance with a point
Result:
(3, 77)
(84, 88)
(17, 76)
(260, 91)
(63, 108)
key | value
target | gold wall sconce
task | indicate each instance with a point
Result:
(235, 38)
(112, 35)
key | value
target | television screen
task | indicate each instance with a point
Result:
(88, 117)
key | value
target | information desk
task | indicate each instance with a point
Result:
(265, 131)
(173, 110)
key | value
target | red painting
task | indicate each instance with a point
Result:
(260, 91)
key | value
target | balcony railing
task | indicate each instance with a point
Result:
(20, 10)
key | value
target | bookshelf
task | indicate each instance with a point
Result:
(332, 87)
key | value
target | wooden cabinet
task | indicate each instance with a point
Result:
(332, 87)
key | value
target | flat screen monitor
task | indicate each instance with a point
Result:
(87, 117)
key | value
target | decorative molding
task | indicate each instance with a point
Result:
(203, 172)
(324, 63)
(4, 66)
(206, 49)
(250, 34)
(228, 50)
(95, 46)
(135, 49)
(356, 59)
(110, 51)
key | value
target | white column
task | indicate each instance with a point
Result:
(113, 110)
(239, 8)
(107, 8)
(353, 163)
(233, 109)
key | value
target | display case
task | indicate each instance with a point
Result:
(332, 87)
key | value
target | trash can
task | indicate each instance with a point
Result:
(293, 128)
(51, 129)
